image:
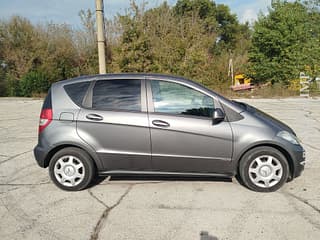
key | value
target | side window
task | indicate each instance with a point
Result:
(117, 95)
(173, 98)
(76, 91)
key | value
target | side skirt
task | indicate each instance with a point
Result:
(155, 173)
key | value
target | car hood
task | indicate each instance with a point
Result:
(266, 118)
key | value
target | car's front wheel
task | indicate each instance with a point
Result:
(264, 169)
(71, 169)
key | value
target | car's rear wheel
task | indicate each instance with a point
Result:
(264, 169)
(71, 169)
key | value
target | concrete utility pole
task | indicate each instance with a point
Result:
(230, 70)
(100, 36)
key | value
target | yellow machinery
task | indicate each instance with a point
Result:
(241, 83)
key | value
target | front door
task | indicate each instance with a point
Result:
(183, 136)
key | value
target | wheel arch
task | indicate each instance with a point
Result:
(275, 146)
(59, 147)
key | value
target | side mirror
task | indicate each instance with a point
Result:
(218, 116)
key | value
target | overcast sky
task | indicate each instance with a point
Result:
(66, 11)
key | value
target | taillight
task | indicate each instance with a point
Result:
(45, 119)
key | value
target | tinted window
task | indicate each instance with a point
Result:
(117, 95)
(76, 91)
(47, 101)
(175, 98)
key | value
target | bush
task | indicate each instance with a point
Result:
(3, 87)
(34, 82)
(12, 87)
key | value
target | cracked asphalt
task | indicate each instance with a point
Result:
(31, 207)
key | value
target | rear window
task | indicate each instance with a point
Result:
(117, 95)
(77, 91)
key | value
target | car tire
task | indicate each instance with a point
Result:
(71, 169)
(263, 169)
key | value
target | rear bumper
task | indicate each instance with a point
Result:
(40, 155)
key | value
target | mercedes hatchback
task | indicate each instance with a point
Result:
(159, 124)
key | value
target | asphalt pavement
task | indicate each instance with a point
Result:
(31, 207)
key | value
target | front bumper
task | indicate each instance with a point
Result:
(299, 160)
(296, 154)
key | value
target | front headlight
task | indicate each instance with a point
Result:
(288, 137)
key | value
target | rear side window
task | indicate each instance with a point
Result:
(77, 91)
(47, 104)
(117, 95)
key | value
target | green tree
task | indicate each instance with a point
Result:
(284, 42)
(33, 50)
(179, 40)
(215, 18)
(86, 46)
(34, 82)
(313, 45)
(18, 45)
(194, 38)
(19, 40)
(134, 51)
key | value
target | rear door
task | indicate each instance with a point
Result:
(184, 138)
(115, 124)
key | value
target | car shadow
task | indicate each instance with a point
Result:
(163, 178)
(204, 235)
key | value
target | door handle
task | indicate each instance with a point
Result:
(94, 117)
(160, 123)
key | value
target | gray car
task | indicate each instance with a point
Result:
(158, 124)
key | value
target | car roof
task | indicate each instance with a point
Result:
(123, 76)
